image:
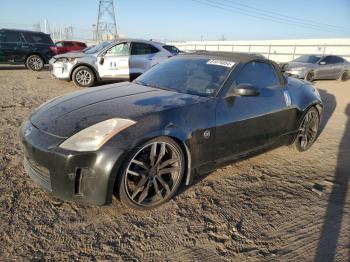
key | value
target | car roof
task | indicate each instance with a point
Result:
(21, 30)
(70, 41)
(230, 56)
(137, 40)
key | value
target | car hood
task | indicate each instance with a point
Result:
(74, 54)
(292, 65)
(69, 114)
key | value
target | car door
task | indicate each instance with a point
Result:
(245, 123)
(114, 63)
(142, 57)
(12, 47)
(338, 66)
(325, 68)
(2, 47)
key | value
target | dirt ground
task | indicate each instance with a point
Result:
(277, 206)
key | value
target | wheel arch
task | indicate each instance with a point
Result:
(83, 64)
(35, 53)
(319, 108)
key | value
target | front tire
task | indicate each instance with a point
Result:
(152, 174)
(310, 76)
(83, 77)
(308, 130)
(35, 63)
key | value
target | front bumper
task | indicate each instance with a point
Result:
(60, 70)
(296, 73)
(84, 177)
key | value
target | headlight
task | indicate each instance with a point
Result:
(65, 60)
(93, 137)
(297, 69)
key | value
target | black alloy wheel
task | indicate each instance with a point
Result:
(308, 130)
(152, 174)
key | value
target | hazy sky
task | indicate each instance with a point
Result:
(191, 19)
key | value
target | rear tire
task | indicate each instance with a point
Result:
(35, 63)
(151, 174)
(83, 76)
(308, 130)
(345, 76)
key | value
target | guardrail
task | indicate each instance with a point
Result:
(277, 52)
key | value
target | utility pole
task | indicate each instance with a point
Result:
(106, 26)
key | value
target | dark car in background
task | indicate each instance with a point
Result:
(69, 46)
(187, 115)
(34, 49)
(314, 67)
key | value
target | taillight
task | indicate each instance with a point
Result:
(53, 49)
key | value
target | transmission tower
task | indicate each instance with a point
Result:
(106, 27)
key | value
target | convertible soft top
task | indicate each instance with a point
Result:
(231, 56)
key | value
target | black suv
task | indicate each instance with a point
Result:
(34, 49)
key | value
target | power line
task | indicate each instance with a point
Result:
(272, 18)
(232, 9)
(287, 16)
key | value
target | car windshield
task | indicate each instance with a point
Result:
(197, 76)
(172, 49)
(97, 48)
(312, 59)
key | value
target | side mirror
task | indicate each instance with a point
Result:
(243, 90)
(102, 59)
(323, 63)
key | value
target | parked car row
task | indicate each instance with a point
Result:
(127, 59)
(111, 60)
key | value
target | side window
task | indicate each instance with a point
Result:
(81, 45)
(258, 74)
(68, 44)
(328, 60)
(338, 59)
(143, 49)
(12, 37)
(37, 38)
(118, 50)
(59, 44)
(2, 37)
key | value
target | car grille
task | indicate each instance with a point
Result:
(38, 173)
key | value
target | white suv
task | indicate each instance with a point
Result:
(119, 60)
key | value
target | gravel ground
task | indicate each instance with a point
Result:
(280, 205)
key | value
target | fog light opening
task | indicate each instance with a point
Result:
(77, 184)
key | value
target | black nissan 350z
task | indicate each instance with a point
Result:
(183, 117)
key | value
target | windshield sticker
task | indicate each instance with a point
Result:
(210, 91)
(221, 63)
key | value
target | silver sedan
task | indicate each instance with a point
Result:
(312, 67)
(117, 60)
